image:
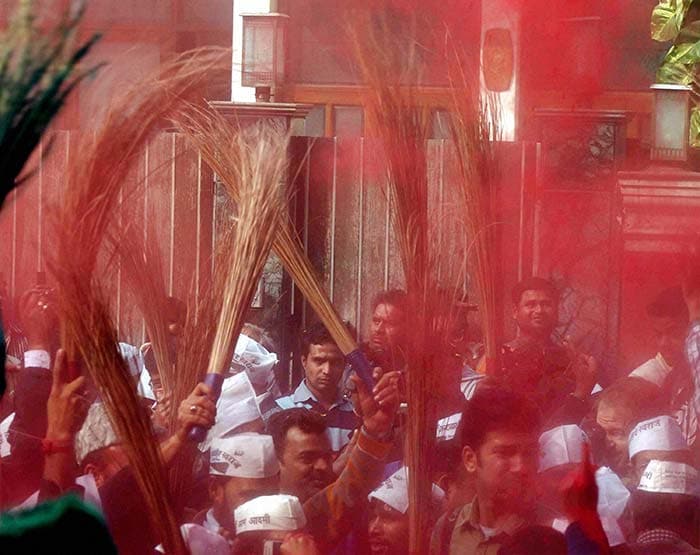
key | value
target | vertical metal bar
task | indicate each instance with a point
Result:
(40, 227)
(306, 228)
(360, 239)
(119, 269)
(538, 213)
(387, 226)
(171, 261)
(198, 230)
(145, 218)
(441, 200)
(521, 223)
(13, 273)
(333, 201)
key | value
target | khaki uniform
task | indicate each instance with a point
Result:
(467, 537)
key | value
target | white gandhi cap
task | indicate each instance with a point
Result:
(270, 512)
(394, 491)
(561, 445)
(243, 456)
(656, 434)
(669, 477)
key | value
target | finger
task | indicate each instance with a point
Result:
(201, 389)
(386, 380)
(60, 369)
(362, 390)
(386, 392)
(74, 386)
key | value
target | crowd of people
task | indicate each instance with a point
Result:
(533, 458)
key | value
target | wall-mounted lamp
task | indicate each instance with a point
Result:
(264, 39)
(670, 122)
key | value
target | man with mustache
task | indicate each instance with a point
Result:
(320, 391)
(500, 451)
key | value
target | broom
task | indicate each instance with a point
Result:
(261, 154)
(402, 127)
(474, 125)
(141, 265)
(208, 130)
(95, 180)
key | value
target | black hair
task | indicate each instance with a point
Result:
(394, 297)
(496, 407)
(281, 422)
(533, 284)
(669, 511)
(315, 334)
(669, 304)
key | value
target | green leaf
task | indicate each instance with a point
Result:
(694, 130)
(678, 66)
(667, 19)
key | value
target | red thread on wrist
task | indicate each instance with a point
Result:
(50, 446)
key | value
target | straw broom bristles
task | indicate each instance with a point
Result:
(474, 125)
(259, 164)
(141, 265)
(403, 128)
(88, 319)
(208, 130)
(89, 205)
(261, 171)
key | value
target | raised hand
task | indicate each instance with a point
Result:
(197, 409)
(378, 408)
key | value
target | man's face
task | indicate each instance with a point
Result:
(616, 423)
(387, 328)
(388, 530)
(505, 467)
(229, 493)
(536, 313)
(669, 339)
(306, 465)
(323, 366)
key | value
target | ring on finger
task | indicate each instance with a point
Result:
(193, 409)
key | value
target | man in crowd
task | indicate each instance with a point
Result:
(668, 369)
(321, 390)
(659, 438)
(499, 432)
(620, 407)
(241, 468)
(388, 514)
(562, 452)
(691, 294)
(385, 347)
(272, 524)
(557, 377)
(665, 508)
(332, 505)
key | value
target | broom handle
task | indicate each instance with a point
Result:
(361, 366)
(214, 381)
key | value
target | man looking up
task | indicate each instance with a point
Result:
(320, 391)
(499, 431)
